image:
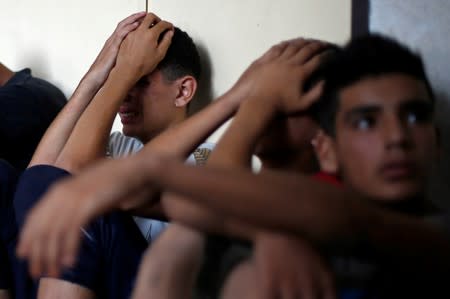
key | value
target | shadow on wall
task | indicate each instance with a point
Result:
(439, 187)
(204, 94)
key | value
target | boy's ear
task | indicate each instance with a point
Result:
(187, 86)
(325, 152)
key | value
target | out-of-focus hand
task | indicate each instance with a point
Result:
(144, 48)
(106, 59)
(290, 268)
(52, 232)
(278, 77)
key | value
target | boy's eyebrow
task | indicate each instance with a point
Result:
(417, 103)
(361, 110)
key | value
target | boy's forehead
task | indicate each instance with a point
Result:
(388, 90)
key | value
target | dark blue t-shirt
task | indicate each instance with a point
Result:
(29, 105)
(8, 179)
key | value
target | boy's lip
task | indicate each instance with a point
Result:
(127, 114)
(401, 169)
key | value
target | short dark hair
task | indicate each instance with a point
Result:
(181, 59)
(367, 56)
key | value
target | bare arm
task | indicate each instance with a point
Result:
(50, 288)
(56, 136)
(170, 265)
(324, 214)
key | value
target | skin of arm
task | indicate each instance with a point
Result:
(56, 136)
(139, 54)
(168, 269)
(56, 288)
(176, 142)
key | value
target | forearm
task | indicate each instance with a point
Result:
(296, 203)
(169, 268)
(326, 215)
(205, 219)
(89, 137)
(180, 140)
(60, 129)
(235, 148)
(51, 288)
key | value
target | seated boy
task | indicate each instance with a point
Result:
(113, 245)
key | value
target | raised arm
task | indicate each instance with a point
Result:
(139, 55)
(275, 84)
(56, 136)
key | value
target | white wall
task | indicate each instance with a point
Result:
(60, 39)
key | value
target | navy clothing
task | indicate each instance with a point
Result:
(8, 179)
(29, 105)
(112, 245)
(13, 271)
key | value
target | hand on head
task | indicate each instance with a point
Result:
(144, 48)
(106, 59)
(279, 76)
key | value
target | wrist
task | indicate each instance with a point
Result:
(264, 111)
(126, 72)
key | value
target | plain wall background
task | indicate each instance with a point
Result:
(59, 40)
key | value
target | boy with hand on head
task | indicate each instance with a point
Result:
(156, 104)
(148, 70)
